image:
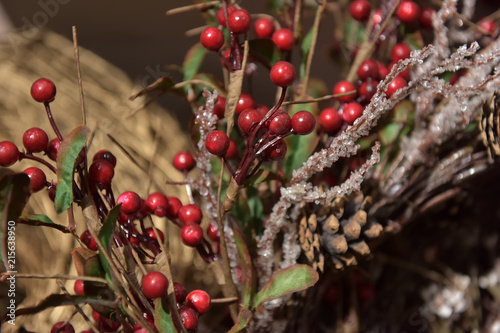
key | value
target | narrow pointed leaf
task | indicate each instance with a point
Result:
(105, 236)
(193, 60)
(242, 321)
(68, 152)
(246, 267)
(163, 317)
(286, 281)
(42, 220)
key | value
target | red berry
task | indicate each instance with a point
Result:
(88, 240)
(408, 12)
(248, 119)
(180, 292)
(101, 173)
(330, 120)
(189, 318)
(232, 151)
(245, 102)
(191, 234)
(152, 235)
(239, 21)
(220, 13)
(154, 285)
(343, 87)
(184, 161)
(280, 123)
(139, 329)
(35, 140)
(61, 328)
(190, 213)
(212, 39)
(220, 107)
(368, 69)
(213, 232)
(396, 84)
(217, 143)
(141, 213)
(157, 203)
(368, 89)
(303, 122)
(284, 40)
(276, 151)
(425, 19)
(360, 10)
(79, 287)
(489, 25)
(105, 155)
(53, 148)
(283, 74)
(174, 204)
(400, 51)
(198, 300)
(131, 202)
(43, 90)
(377, 17)
(263, 109)
(264, 27)
(37, 178)
(351, 112)
(9, 154)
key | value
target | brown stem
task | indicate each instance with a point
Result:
(52, 122)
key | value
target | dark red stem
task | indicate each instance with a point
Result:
(52, 122)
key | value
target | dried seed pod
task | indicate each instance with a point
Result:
(360, 248)
(335, 243)
(373, 230)
(352, 229)
(331, 224)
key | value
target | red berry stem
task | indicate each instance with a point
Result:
(37, 159)
(229, 168)
(208, 257)
(52, 122)
(249, 156)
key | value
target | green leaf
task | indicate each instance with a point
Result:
(415, 40)
(305, 47)
(245, 261)
(87, 262)
(300, 147)
(276, 6)
(56, 300)
(389, 133)
(263, 175)
(105, 236)
(286, 281)
(242, 321)
(163, 317)
(42, 220)
(249, 210)
(264, 51)
(68, 152)
(192, 61)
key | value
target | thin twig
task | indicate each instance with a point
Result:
(184, 9)
(79, 73)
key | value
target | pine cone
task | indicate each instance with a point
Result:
(338, 232)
